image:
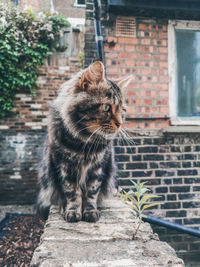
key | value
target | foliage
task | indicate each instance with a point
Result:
(80, 59)
(138, 200)
(25, 40)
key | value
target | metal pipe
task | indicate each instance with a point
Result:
(146, 118)
(171, 225)
(15, 3)
(98, 31)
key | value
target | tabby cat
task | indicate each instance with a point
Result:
(78, 166)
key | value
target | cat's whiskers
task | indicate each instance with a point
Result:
(92, 143)
(81, 119)
(88, 139)
(126, 138)
(76, 134)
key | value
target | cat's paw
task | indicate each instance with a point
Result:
(91, 215)
(72, 216)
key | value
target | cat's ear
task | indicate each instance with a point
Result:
(123, 83)
(94, 73)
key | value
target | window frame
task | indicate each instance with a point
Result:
(173, 96)
(78, 5)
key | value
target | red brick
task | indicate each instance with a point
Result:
(128, 40)
(146, 71)
(112, 39)
(129, 48)
(112, 55)
(130, 63)
(163, 50)
(164, 110)
(146, 57)
(148, 102)
(131, 109)
(142, 26)
(163, 64)
(143, 48)
(124, 55)
(163, 35)
(162, 102)
(146, 41)
(147, 86)
(164, 79)
(164, 94)
(161, 86)
(130, 125)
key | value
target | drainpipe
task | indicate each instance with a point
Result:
(98, 31)
(15, 3)
(171, 225)
(52, 9)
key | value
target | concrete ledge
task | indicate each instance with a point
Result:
(106, 243)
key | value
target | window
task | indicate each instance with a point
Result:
(184, 72)
(79, 3)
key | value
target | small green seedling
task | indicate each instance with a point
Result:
(138, 200)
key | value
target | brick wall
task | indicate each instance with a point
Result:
(168, 161)
(186, 246)
(19, 156)
(32, 110)
(170, 164)
(35, 4)
(22, 136)
(146, 58)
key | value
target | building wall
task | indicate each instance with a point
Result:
(35, 4)
(22, 137)
(146, 58)
(165, 156)
(32, 110)
(168, 160)
(67, 8)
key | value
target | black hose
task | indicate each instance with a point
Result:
(171, 225)
(98, 31)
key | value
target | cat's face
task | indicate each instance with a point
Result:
(100, 106)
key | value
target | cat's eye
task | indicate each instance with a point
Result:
(106, 107)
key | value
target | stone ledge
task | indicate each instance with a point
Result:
(106, 243)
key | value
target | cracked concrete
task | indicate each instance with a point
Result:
(106, 243)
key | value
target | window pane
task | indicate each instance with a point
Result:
(188, 72)
(81, 2)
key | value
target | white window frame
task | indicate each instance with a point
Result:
(78, 5)
(173, 97)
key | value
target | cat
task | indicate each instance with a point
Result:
(78, 166)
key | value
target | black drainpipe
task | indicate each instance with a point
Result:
(98, 31)
(171, 225)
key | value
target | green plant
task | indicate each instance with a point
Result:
(80, 59)
(138, 200)
(25, 40)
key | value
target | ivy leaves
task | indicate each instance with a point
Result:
(25, 40)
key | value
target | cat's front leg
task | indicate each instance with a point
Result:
(90, 211)
(73, 195)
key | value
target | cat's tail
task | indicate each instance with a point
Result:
(43, 203)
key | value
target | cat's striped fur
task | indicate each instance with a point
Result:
(78, 166)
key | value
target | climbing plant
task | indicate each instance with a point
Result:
(25, 40)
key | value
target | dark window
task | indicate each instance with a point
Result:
(80, 2)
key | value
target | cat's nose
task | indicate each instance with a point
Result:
(118, 120)
(118, 124)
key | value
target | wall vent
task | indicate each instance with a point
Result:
(126, 26)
